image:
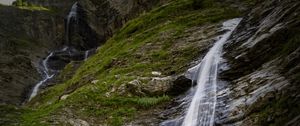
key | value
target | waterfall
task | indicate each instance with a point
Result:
(201, 111)
(72, 15)
(45, 70)
(86, 54)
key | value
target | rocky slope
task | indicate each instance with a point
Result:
(134, 71)
(264, 59)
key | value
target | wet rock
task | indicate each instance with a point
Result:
(260, 80)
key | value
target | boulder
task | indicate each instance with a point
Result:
(158, 86)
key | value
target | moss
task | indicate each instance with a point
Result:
(23, 4)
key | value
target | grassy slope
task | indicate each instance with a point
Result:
(127, 55)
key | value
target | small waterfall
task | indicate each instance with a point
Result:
(45, 70)
(201, 111)
(86, 54)
(72, 15)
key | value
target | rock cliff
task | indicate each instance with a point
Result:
(264, 58)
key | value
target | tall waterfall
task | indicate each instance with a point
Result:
(46, 72)
(201, 111)
(45, 69)
(71, 16)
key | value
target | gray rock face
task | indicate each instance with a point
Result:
(25, 37)
(264, 76)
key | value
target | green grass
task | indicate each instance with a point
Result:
(150, 101)
(35, 117)
(34, 7)
(143, 45)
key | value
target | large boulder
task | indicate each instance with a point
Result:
(154, 86)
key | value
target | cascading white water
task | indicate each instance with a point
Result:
(86, 54)
(72, 15)
(201, 111)
(46, 78)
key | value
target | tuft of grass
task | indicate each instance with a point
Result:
(147, 102)
(34, 8)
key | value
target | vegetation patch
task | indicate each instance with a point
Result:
(23, 4)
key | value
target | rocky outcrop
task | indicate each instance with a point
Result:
(264, 76)
(154, 86)
(25, 38)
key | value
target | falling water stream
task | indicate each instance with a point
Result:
(46, 78)
(86, 54)
(45, 67)
(201, 111)
(72, 15)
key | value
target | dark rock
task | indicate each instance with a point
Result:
(180, 85)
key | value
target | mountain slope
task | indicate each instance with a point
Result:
(116, 84)
(137, 76)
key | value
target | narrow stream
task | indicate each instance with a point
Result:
(47, 75)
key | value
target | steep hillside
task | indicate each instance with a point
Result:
(144, 71)
(133, 73)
